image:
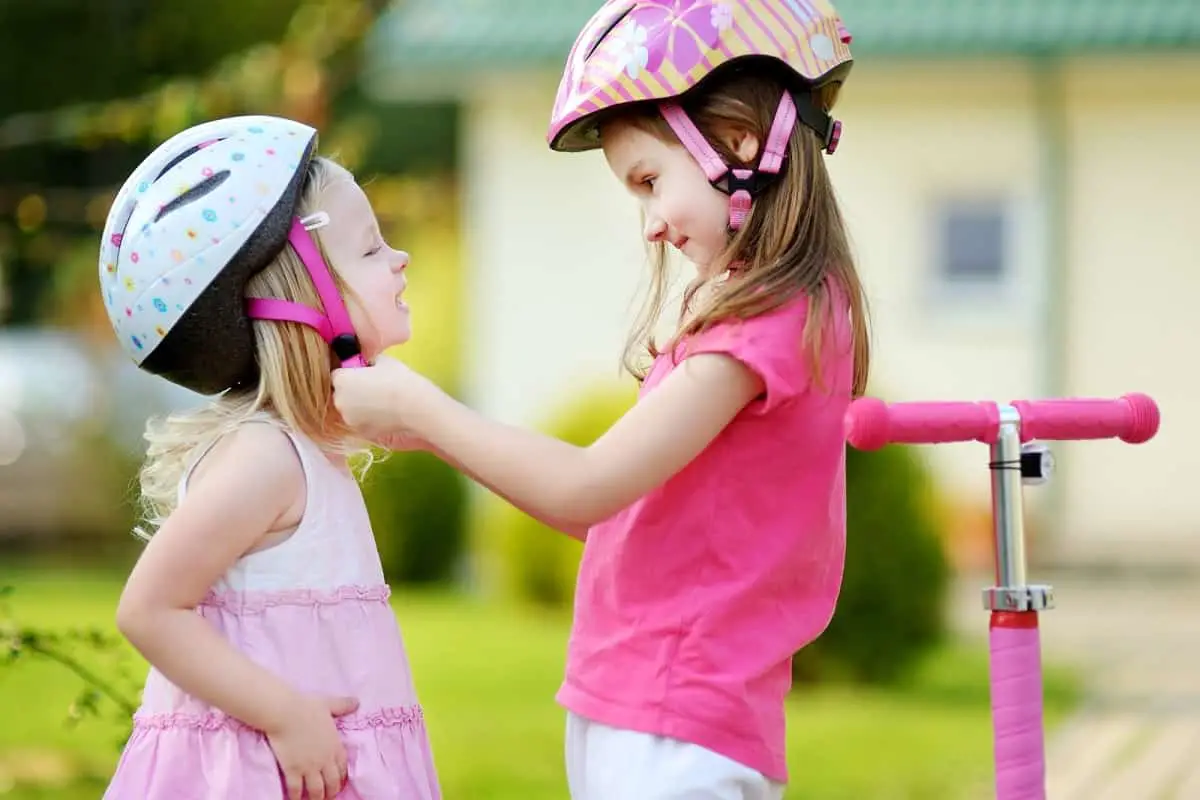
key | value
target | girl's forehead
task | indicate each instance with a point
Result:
(627, 142)
(343, 197)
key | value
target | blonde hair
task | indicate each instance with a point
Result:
(793, 242)
(294, 384)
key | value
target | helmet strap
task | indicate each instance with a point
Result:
(334, 325)
(743, 185)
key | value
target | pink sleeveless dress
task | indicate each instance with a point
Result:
(313, 610)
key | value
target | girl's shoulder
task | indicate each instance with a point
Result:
(260, 448)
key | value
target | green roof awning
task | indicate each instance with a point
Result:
(456, 36)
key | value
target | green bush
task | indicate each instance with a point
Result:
(891, 608)
(535, 564)
(417, 505)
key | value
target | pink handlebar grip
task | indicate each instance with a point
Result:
(872, 423)
(1016, 678)
(1133, 419)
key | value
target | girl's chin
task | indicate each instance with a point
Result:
(400, 336)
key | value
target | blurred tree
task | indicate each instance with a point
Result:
(60, 52)
(110, 76)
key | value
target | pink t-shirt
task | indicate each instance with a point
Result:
(691, 602)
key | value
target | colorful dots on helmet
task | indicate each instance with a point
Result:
(117, 239)
(128, 311)
(207, 172)
(143, 186)
(177, 256)
(262, 188)
(130, 285)
(210, 215)
(110, 267)
(270, 151)
(160, 330)
(191, 233)
(238, 156)
(136, 342)
(159, 305)
(134, 257)
(255, 129)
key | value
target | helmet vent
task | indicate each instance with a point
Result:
(602, 35)
(202, 188)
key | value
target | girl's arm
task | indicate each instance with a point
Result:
(659, 436)
(250, 482)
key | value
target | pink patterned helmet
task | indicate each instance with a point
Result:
(656, 50)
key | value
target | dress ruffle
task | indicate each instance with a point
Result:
(337, 642)
(214, 757)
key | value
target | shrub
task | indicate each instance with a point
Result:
(534, 563)
(891, 608)
(417, 505)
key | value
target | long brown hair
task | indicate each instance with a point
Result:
(793, 242)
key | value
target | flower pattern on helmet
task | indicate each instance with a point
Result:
(722, 16)
(683, 30)
(611, 64)
(629, 48)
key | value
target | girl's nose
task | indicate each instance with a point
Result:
(399, 260)
(656, 229)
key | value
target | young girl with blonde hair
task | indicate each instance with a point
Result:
(277, 666)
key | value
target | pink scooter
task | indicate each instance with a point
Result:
(1015, 458)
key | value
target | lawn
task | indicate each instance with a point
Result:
(487, 674)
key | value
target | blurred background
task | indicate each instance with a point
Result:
(1018, 179)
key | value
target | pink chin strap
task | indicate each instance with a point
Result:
(743, 184)
(334, 325)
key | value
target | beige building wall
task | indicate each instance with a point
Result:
(1133, 319)
(554, 254)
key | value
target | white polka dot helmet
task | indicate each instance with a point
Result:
(202, 214)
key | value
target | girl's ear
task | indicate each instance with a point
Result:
(743, 144)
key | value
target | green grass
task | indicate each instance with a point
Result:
(487, 675)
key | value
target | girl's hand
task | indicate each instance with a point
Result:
(307, 746)
(384, 401)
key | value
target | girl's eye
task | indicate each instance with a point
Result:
(374, 250)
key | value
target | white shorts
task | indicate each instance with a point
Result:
(606, 763)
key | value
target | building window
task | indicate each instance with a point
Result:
(973, 244)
